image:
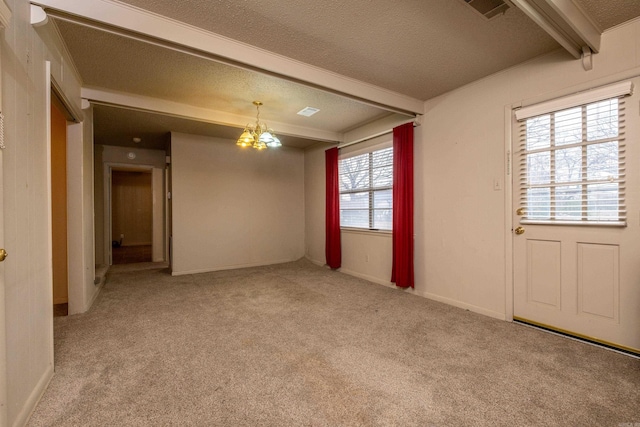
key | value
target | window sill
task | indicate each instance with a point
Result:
(368, 231)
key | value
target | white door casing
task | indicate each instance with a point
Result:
(583, 279)
(3, 338)
(5, 16)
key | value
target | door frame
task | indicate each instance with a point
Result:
(510, 146)
(3, 336)
(75, 269)
(5, 18)
(155, 193)
(508, 209)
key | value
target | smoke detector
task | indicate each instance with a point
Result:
(489, 9)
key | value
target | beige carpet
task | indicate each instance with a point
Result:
(300, 345)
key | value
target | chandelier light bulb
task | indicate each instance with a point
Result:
(258, 136)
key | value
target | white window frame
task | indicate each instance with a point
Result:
(550, 108)
(369, 189)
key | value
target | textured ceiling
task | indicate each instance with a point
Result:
(153, 129)
(609, 13)
(109, 61)
(420, 48)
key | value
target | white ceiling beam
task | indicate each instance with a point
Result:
(565, 21)
(175, 109)
(138, 21)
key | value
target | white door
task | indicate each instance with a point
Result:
(3, 254)
(3, 340)
(576, 220)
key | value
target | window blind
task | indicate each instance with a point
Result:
(572, 165)
(366, 190)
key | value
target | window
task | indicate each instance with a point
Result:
(366, 195)
(572, 165)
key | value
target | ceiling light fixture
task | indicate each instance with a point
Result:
(258, 135)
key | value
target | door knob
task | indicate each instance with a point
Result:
(519, 230)
(3, 255)
(520, 211)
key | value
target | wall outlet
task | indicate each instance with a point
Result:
(366, 258)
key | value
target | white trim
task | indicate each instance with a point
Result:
(581, 98)
(463, 305)
(376, 129)
(96, 293)
(508, 212)
(368, 278)
(38, 16)
(34, 398)
(378, 143)
(579, 21)
(162, 29)
(3, 304)
(316, 262)
(175, 109)
(49, 190)
(565, 21)
(367, 231)
(230, 267)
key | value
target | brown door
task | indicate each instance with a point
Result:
(59, 205)
(132, 217)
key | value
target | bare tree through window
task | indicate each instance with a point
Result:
(572, 164)
(366, 183)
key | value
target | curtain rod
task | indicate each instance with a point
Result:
(415, 122)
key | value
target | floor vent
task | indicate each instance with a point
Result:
(488, 8)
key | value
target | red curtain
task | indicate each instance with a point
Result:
(402, 266)
(333, 250)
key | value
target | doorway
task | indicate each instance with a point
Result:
(59, 208)
(131, 216)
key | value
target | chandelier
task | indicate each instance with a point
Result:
(258, 135)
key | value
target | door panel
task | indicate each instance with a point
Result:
(543, 272)
(598, 281)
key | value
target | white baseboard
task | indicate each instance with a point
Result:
(97, 288)
(449, 301)
(33, 399)
(368, 278)
(228, 267)
(316, 262)
(463, 305)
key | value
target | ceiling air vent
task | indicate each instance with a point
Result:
(488, 8)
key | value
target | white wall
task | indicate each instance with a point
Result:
(234, 208)
(26, 207)
(462, 225)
